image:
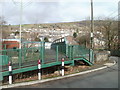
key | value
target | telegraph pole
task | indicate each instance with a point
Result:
(20, 23)
(92, 26)
(20, 46)
(91, 57)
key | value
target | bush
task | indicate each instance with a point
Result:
(46, 39)
(74, 34)
(37, 39)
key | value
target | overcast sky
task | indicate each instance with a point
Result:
(54, 11)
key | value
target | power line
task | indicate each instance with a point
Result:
(24, 4)
(15, 3)
(112, 13)
(115, 16)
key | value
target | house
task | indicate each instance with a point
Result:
(99, 43)
(68, 40)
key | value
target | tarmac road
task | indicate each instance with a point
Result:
(106, 78)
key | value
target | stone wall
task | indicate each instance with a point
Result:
(101, 56)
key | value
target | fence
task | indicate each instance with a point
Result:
(29, 54)
(26, 58)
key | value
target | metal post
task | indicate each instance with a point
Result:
(5, 46)
(40, 49)
(72, 52)
(57, 53)
(24, 52)
(43, 46)
(20, 57)
(5, 51)
(39, 70)
(10, 73)
(62, 66)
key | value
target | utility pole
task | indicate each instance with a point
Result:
(20, 23)
(91, 57)
(20, 46)
(92, 26)
(118, 46)
(1, 25)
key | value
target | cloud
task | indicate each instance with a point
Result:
(52, 11)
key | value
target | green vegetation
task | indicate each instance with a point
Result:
(37, 39)
(74, 34)
(46, 39)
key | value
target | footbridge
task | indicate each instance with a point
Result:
(26, 58)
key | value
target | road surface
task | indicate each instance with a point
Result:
(107, 78)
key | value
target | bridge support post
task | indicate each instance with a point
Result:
(20, 58)
(39, 70)
(91, 56)
(62, 66)
(10, 73)
(57, 53)
(73, 63)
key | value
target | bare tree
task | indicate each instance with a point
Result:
(4, 28)
(110, 30)
(2, 21)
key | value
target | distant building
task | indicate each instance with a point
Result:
(10, 43)
(68, 40)
(99, 43)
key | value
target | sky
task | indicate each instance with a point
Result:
(55, 11)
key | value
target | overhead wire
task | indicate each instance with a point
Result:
(17, 4)
(25, 4)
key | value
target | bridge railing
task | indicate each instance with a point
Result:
(30, 53)
(26, 56)
(78, 51)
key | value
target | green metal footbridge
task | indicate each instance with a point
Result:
(26, 58)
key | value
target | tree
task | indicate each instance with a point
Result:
(16, 33)
(46, 39)
(2, 21)
(4, 28)
(37, 39)
(109, 28)
(74, 34)
(84, 40)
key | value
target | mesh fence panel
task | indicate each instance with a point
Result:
(80, 51)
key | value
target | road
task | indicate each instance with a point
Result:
(107, 78)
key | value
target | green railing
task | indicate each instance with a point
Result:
(29, 55)
(31, 52)
(75, 51)
(80, 51)
(26, 56)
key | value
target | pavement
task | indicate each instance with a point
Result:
(103, 77)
